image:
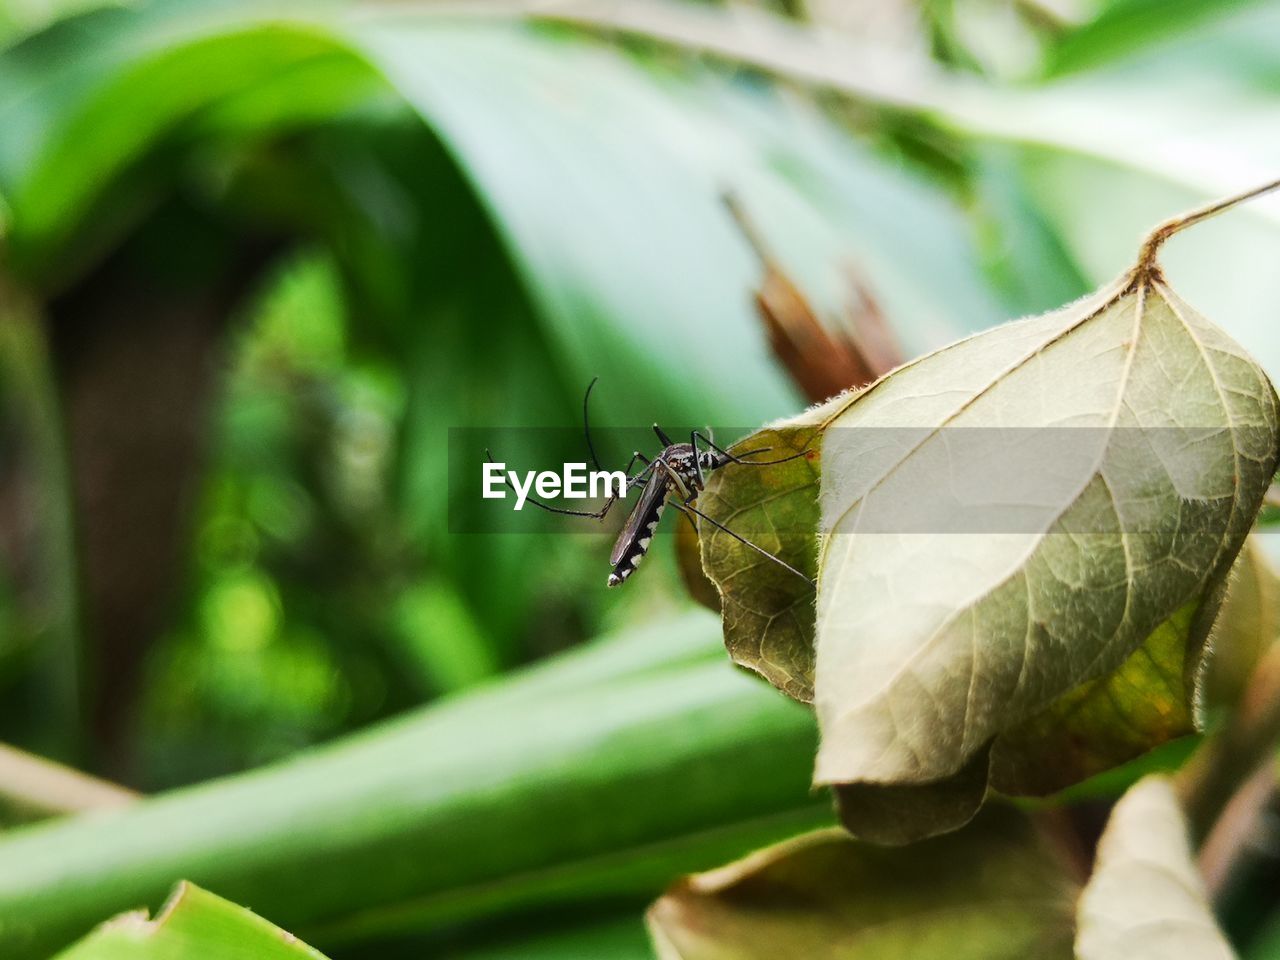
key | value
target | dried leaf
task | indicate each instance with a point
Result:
(689, 563)
(822, 359)
(1025, 538)
(1145, 898)
(1103, 723)
(1150, 439)
(768, 611)
(896, 815)
(995, 890)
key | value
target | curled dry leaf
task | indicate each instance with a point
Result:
(822, 359)
(1145, 900)
(1025, 537)
(995, 890)
(689, 563)
(768, 611)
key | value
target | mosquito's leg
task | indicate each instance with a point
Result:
(681, 487)
(690, 508)
(631, 481)
(662, 435)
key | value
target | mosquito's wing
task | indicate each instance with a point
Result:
(646, 509)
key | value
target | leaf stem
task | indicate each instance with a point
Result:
(1156, 238)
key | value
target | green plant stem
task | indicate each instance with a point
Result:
(513, 798)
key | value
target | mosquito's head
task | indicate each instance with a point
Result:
(712, 459)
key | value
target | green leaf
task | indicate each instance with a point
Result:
(995, 890)
(1145, 898)
(193, 923)
(660, 782)
(641, 151)
(1140, 153)
(1133, 27)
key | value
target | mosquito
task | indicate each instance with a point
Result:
(676, 476)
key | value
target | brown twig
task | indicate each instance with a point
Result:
(822, 359)
(1236, 828)
(40, 788)
(1155, 239)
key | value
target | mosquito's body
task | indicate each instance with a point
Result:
(676, 476)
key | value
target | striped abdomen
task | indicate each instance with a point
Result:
(633, 542)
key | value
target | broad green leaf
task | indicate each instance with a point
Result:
(638, 160)
(1145, 898)
(192, 923)
(1248, 624)
(642, 150)
(995, 890)
(685, 763)
(1139, 153)
(1125, 29)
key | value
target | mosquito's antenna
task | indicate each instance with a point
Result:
(586, 423)
(738, 457)
(766, 463)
